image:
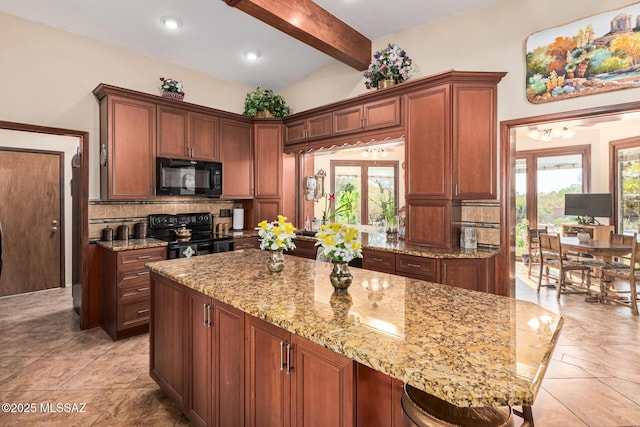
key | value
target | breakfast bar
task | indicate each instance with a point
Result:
(468, 348)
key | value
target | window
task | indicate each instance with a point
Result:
(543, 177)
(626, 184)
(366, 192)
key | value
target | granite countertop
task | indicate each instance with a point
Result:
(468, 348)
(131, 244)
(378, 242)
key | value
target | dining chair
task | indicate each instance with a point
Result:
(624, 269)
(533, 246)
(551, 256)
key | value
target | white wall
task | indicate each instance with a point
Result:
(489, 39)
(48, 76)
(66, 144)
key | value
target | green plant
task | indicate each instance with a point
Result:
(265, 99)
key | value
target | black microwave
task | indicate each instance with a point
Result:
(177, 177)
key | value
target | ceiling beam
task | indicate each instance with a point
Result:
(313, 25)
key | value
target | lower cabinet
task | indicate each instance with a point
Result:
(474, 274)
(292, 381)
(384, 262)
(305, 249)
(215, 373)
(240, 243)
(224, 367)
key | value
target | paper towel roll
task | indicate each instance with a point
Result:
(238, 219)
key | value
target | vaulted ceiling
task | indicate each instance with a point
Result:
(296, 38)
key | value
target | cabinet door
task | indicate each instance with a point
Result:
(268, 209)
(348, 120)
(245, 243)
(474, 141)
(237, 159)
(319, 126)
(168, 337)
(433, 222)
(203, 137)
(129, 169)
(228, 371)
(382, 114)
(267, 384)
(295, 131)
(268, 160)
(428, 143)
(305, 249)
(321, 386)
(200, 359)
(463, 273)
(173, 133)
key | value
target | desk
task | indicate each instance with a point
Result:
(598, 248)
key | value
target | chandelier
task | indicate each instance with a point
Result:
(549, 134)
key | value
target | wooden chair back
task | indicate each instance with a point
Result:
(623, 239)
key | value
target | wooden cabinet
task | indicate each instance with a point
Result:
(215, 373)
(245, 243)
(291, 381)
(187, 135)
(451, 155)
(369, 116)
(309, 129)
(127, 147)
(305, 249)
(237, 159)
(379, 261)
(473, 274)
(268, 160)
(168, 338)
(125, 290)
(268, 209)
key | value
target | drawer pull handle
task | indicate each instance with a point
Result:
(377, 259)
(413, 265)
(144, 257)
(143, 289)
(145, 311)
(143, 273)
(289, 367)
(282, 355)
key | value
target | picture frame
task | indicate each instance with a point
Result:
(597, 54)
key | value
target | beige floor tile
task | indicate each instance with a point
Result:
(596, 403)
(46, 373)
(110, 372)
(11, 365)
(559, 369)
(141, 407)
(548, 412)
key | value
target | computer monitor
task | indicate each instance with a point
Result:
(589, 204)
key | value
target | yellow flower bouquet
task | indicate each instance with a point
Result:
(340, 242)
(276, 235)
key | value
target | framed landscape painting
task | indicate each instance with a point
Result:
(597, 54)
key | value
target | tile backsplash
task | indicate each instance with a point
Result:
(484, 215)
(112, 214)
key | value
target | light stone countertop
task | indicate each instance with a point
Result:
(131, 244)
(468, 348)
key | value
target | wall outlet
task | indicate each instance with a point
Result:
(224, 213)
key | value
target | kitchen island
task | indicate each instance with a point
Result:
(467, 348)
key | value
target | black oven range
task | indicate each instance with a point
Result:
(201, 241)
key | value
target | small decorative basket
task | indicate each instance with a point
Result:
(173, 95)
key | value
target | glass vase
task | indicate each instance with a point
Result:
(275, 262)
(340, 275)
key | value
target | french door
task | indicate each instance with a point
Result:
(625, 179)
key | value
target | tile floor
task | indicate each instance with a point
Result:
(593, 380)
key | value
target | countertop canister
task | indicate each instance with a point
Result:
(123, 232)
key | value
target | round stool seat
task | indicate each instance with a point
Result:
(424, 410)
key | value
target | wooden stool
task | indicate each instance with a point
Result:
(424, 410)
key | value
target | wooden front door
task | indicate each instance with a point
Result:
(31, 219)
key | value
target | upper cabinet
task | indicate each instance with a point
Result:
(127, 148)
(187, 135)
(368, 116)
(236, 139)
(315, 127)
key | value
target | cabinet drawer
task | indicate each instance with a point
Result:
(246, 243)
(141, 256)
(130, 275)
(133, 314)
(418, 267)
(305, 249)
(379, 261)
(134, 290)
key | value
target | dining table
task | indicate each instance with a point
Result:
(599, 249)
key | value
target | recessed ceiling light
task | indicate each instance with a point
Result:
(252, 55)
(171, 22)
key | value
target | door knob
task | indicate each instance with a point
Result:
(54, 226)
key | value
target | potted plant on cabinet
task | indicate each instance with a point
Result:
(265, 103)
